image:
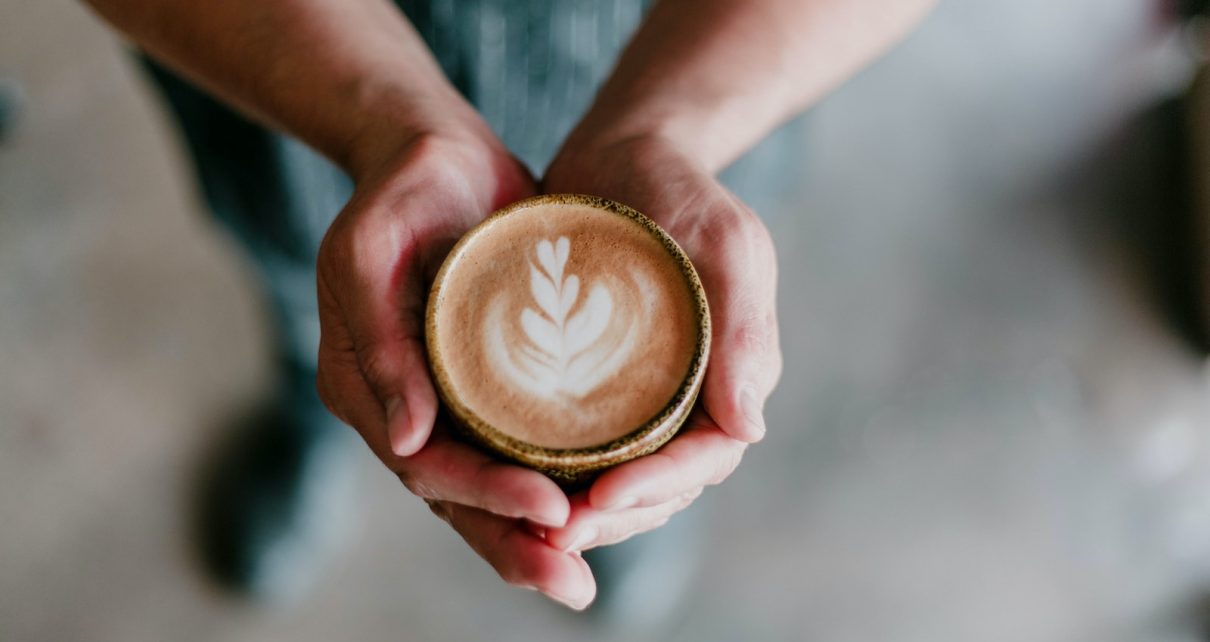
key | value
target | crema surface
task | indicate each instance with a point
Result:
(565, 326)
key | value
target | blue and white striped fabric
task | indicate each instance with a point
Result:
(531, 67)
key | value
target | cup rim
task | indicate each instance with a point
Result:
(650, 434)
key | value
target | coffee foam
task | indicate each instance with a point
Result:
(565, 326)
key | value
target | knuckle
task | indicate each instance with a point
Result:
(334, 244)
(741, 228)
(330, 399)
(414, 486)
(364, 240)
(753, 230)
(427, 479)
(754, 334)
(338, 247)
(435, 157)
(324, 390)
(440, 510)
(776, 366)
(726, 229)
(375, 364)
(750, 335)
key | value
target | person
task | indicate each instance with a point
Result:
(430, 115)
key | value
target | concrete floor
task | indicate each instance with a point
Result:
(990, 427)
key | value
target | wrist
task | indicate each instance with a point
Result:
(589, 159)
(608, 129)
(395, 121)
(701, 137)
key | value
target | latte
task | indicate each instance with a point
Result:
(568, 323)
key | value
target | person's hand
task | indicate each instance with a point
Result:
(375, 267)
(734, 257)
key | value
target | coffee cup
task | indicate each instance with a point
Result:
(568, 333)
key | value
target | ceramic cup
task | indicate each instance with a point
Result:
(568, 333)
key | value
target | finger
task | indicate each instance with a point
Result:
(346, 394)
(445, 468)
(449, 470)
(409, 400)
(371, 273)
(344, 388)
(703, 455)
(745, 359)
(522, 559)
(589, 528)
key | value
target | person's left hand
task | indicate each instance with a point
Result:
(734, 257)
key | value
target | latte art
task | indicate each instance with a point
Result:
(572, 345)
(564, 326)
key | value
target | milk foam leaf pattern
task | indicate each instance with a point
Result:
(545, 292)
(544, 334)
(586, 327)
(561, 354)
(571, 290)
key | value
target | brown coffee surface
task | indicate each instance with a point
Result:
(565, 326)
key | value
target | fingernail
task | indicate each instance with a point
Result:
(582, 539)
(394, 408)
(578, 603)
(753, 413)
(574, 604)
(629, 501)
(547, 520)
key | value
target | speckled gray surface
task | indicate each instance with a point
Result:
(987, 429)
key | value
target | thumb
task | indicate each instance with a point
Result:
(371, 316)
(745, 358)
(397, 373)
(745, 365)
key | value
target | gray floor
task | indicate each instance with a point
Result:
(990, 428)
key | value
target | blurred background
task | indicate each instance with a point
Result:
(994, 422)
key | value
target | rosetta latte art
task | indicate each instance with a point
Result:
(567, 344)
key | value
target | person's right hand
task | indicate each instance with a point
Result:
(375, 267)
